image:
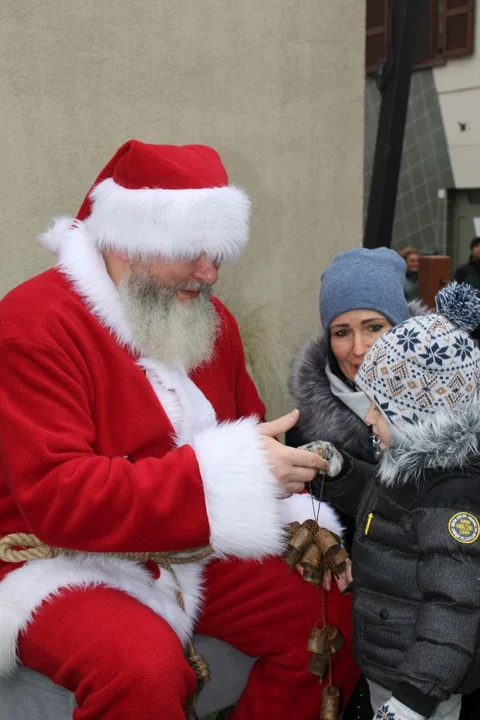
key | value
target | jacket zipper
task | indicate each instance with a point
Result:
(369, 522)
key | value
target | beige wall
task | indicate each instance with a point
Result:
(275, 85)
(458, 87)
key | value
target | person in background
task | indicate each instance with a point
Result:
(470, 272)
(416, 551)
(129, 424)
(410, 284)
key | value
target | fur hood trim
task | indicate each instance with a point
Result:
(443, 441)
(323, 416)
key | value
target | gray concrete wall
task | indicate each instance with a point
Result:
(277, 86)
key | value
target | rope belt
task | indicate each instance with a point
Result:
(18, 547)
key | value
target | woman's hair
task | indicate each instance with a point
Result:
(409, 250)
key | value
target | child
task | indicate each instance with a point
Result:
(416, 551)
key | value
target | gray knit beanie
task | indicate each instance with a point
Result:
(363, 279)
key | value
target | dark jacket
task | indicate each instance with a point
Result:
(416, 559)
(410, 285)
(469, 273)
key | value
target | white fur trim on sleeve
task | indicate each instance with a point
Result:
(300, 508)
(241, 493)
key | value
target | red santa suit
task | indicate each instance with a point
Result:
(103, 450)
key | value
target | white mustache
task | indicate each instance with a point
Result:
(192, 287)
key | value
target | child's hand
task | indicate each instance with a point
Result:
(328, 451)
(344, 581)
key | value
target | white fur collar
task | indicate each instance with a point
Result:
(443, 441)
(83, 264)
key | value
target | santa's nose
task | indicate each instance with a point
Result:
(205, 270)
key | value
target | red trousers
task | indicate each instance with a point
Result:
(122, 661)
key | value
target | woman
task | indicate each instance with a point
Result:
(361, 298)
(410, 282)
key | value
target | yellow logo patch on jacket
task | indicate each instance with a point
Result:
(464, 527)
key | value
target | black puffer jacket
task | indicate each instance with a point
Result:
(416, 559)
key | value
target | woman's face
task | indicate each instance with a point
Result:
(351, 334)
(413, 262)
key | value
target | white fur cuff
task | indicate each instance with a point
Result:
(240, 491)
(305, 507)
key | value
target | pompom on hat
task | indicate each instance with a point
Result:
(428, 363)
(168, 201)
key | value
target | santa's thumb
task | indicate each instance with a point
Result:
(280, 425)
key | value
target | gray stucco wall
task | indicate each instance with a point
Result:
(276, 86)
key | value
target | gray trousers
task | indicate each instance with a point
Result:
(447, 710)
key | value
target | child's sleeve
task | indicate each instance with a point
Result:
(346, 489)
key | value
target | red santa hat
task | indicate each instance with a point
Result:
(168, 201)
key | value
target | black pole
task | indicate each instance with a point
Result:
(395, 86)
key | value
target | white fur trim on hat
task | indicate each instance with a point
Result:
(170, 223)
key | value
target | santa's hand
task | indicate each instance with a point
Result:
(292, 467)
(393, 709)
(329, 452)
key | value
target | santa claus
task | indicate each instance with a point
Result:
(128, 423)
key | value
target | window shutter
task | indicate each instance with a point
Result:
(457, 22)
(377, 33)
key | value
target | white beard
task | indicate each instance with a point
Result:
(164, 328)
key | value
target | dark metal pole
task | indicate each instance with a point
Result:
(391, 125)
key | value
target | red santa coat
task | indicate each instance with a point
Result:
(103, 451)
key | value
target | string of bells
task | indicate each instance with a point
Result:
(314, 550)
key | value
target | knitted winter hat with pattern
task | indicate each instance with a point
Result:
(427, 363)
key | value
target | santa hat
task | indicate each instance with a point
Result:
(428, 363)
(163, 200)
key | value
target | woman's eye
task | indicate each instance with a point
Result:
(376, 328)
(341, 333)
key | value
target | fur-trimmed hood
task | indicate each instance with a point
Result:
(323, 416)
(444, 441)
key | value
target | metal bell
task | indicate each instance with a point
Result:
(334, 555)
(310, 562)
(292, 528)
(317, 640)
(311, 525)
(318, 664)
(292, 557)
(330, 703)
(312, 556)
(314, 576)
(324, 539)
(301, 539)
(334, 638)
